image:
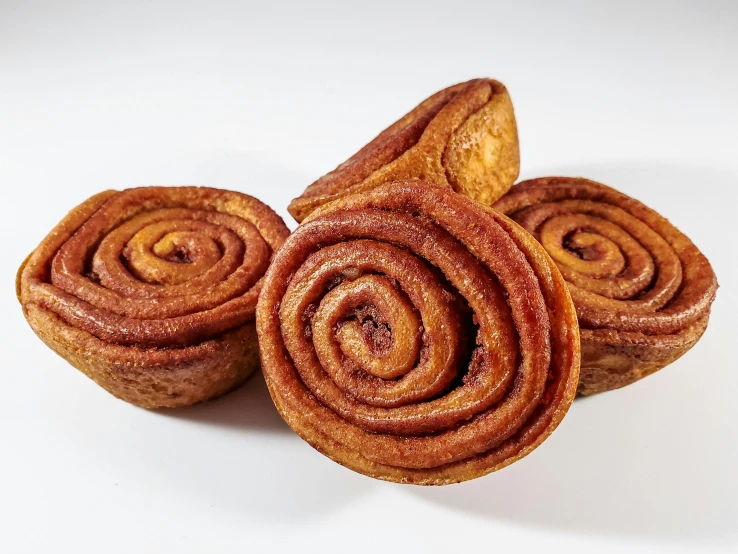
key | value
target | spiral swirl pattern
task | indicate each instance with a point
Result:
(463, 137)
(148, 290)
(416, 336)
(642, 290)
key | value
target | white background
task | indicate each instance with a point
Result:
(264, 99)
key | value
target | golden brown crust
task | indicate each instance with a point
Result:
(151, 292)
(642, 290)
(463, 137)
(416, 336)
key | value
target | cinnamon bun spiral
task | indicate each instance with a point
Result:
(415, 336)
(152, 291)
(642, 289)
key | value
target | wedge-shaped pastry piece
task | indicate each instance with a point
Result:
(642, 290)
(416, 336)
(463, 137)
(151, 292)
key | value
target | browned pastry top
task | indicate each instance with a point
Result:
(463, 137)
(631, 273)
(413, 335)
(156, 266)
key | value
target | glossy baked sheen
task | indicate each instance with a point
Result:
(463, 137)
(152, 291)
(416, 336)
(642, 290)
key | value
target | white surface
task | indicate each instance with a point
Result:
(264, 100)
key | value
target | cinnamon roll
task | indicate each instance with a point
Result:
(416, 336)
(642, 290)
(463, 137)
(152, 292)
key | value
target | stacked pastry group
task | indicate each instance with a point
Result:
(427, 322)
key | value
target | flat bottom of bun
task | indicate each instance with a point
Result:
(153, 377)
(614, 359)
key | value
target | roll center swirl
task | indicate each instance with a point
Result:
(381, 330)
